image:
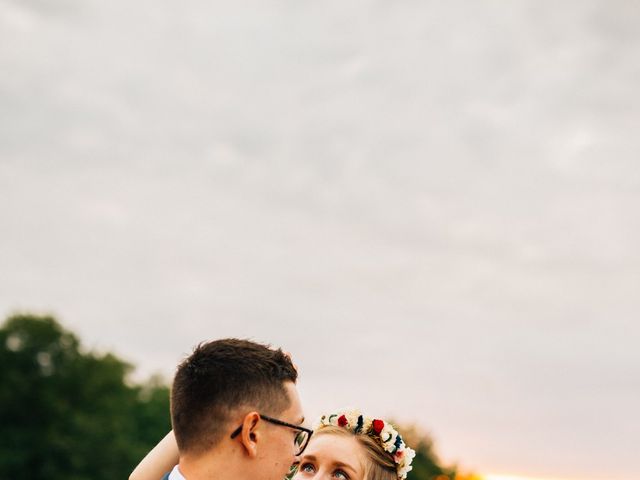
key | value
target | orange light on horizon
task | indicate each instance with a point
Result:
(504, 476)
(491, 476)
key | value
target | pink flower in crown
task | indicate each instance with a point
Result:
(399, 456)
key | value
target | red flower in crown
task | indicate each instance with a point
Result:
(378, 425)
(342, 421)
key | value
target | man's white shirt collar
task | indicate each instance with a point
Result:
(175, 474)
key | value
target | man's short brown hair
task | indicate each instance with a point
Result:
(220, 376)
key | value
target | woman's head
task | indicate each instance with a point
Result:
(350, 446)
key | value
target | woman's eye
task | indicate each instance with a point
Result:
(307, 467)
(341, 475)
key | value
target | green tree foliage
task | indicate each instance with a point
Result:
(427, 467)
(426, 464)
(67, 413)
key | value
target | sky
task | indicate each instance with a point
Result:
(434, 206)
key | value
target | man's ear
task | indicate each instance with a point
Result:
(250, 435)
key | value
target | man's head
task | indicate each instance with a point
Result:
(227, 383)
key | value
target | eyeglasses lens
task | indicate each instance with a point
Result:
(301, 440)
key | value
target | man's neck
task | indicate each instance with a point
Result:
(214, 466)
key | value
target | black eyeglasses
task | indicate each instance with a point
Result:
(302, 437)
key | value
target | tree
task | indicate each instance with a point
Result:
(426, 464)
(67, 413)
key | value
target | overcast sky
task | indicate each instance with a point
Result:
(433, 205)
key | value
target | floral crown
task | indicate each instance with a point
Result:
(380, 430)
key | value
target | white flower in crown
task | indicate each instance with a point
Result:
(404, 465)
(327, 420)
(410, 454)
(403, 471)
(388, 435)
(352, 418)
(333, 420)
(366, 424)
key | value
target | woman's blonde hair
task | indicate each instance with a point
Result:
(379, 464)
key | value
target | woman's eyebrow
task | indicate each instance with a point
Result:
(308, 457)
(344, 465)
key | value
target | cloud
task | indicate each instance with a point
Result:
(437, 199)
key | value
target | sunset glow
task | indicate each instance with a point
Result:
(491, 476)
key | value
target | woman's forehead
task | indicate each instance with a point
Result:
(336, 448)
